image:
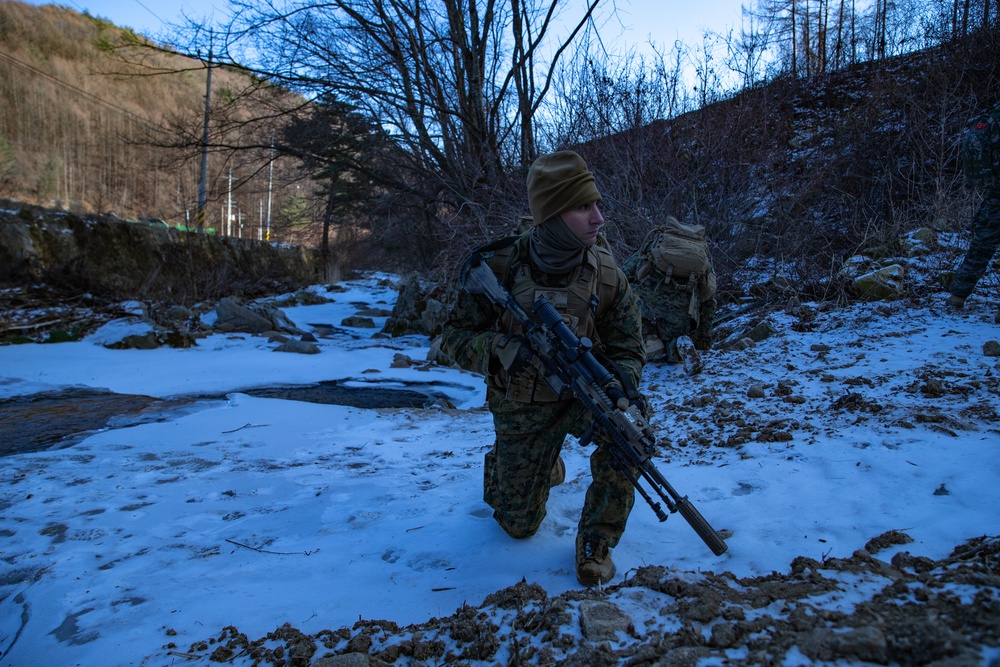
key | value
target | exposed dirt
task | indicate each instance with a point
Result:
(858, 610)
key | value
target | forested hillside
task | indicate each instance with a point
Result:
(93, 121)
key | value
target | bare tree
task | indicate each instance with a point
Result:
(747, 51)
(456, 83)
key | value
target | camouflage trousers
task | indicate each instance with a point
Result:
(517, 470)
(668, 329)
(982, 247)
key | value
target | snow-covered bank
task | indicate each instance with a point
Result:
(257, 512)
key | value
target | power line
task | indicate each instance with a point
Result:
(11, 60)
(150, 11)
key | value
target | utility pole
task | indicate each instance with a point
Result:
(229, 205)
(270, 178)
(203, 180)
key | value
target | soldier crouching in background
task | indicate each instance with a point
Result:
(672, 275)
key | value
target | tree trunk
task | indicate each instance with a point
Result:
(324, 248)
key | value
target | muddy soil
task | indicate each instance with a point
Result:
(860, 610)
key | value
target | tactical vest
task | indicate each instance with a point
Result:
(585, 298)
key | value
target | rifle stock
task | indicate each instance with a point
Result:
(570, 368)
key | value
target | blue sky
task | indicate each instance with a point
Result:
(663, 21)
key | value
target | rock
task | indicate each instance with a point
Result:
(345, 660)
(602, 621)
(434, 315)
(991, 348)
(919, 242)
(277, 318)
(374, 312)
(400, 361)
(135, 308)
(146, 341)
(298, 346)
(724, 635)
(755, 391)
(129, 334)
(867, 644)
(178, 313)
(819, 347)
(854, 266)
(308, 338)
(654, 347)
(324, 330)
(685, 656)
(885, 283)
(744, 343)
(784, 387)
(761, 332)
(420, 308)
(231, 316)
(358, 322)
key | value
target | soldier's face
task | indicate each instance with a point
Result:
(584, 221)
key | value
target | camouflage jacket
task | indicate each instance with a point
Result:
(475, 326)
(669, 309)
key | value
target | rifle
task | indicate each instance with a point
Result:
(570, 368)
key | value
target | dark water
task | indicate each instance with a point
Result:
(332, 392)
(62, 418)
(57, 419)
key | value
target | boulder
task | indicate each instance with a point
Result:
(885, 283)
(358, 322)
(421, 308)
(231, 316)
(919, 242)
(761, 332)
(298, 346)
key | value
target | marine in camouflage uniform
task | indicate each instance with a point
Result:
(981, 163)
(669, 310)
(567, 261)
(982, 247)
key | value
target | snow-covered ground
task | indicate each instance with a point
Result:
(129, 546)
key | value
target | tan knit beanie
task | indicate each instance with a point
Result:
(558, 182)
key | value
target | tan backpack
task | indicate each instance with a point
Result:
(680, 253)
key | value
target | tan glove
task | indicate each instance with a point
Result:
(513, 354)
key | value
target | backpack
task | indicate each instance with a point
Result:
(981, 148)
(680, 253)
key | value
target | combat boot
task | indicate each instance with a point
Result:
(689, 355)
(594, 566)
(956, 302)
(558, 475)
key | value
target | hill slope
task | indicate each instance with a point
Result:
(95, 121)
